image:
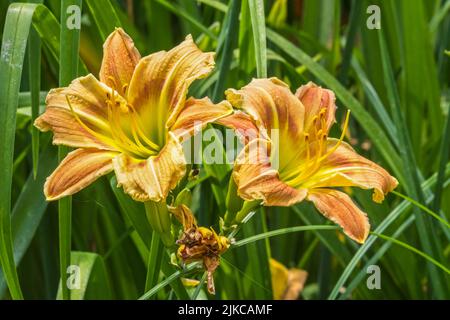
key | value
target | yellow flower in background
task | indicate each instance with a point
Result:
(287, 284)
(310, 164)
(132, 121)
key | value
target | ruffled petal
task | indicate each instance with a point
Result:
(77, 171)
(272, 105)
(315, 99)
(196, 114)
(344, 167)
(243, 125)
(257, 180)
(120, 58)
(83, 123)
(339, 208)
(151, 179)
(160, 82)
(277, 113)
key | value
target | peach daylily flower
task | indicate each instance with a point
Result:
(132, 121)
(310, 164)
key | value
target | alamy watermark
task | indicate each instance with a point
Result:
(374, 20)
(74, 277)
(213, 146)
(73, 20)
(374, 280)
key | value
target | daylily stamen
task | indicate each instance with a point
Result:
(85, 126)
(322, 118)
(136, 146)
(308, 152)
(137, 125)
(117, 130)
(341, 138)
(113, 82)
(309, 164)
(306, 171)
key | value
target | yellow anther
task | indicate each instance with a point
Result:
(341, 138)
(322, 118)
(308, 152)
(123, 107)
(322, 112)
(319, 133)
(113, 82)
(205, 232)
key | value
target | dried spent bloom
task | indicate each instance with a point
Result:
(199, 244)
(132, 121)
(310, 164)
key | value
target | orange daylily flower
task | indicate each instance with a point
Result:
(310, 164)
(133, 120)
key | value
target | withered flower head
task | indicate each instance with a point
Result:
(199, 244)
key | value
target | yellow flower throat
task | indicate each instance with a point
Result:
(124, 130)
(314, 152)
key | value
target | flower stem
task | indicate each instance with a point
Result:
(159, 218)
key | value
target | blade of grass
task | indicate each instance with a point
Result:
(104, 15)
(68, 58)
(395, 213)
(279, 232)
(423, 208)
(377, 104)
(354, 23)
(422, 98)
(135, 212)
(15, 35)
(30, 207)
(177, 10)
(362, 274)
(247, 53)
(94, 281)
(157, 19)
(49, 30)
(259, 36)
(230, 33)
(174, 276)
(444, 154)
(177, 286)
(407, 154)
(411, 248)
(438, 18)
(34, 59)
(215, 4)
(154, 261)
(17, 26)
(199, 286)
(330, 240)
(25, 99)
